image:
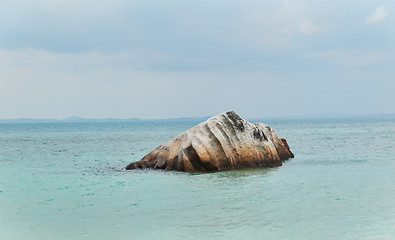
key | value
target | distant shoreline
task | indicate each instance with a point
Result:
(181, 119)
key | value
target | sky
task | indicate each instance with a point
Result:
(173, 58)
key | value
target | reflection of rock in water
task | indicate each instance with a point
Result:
(222, 142)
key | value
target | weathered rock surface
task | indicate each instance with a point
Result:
(222, 142)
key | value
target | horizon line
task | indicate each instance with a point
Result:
(136, 119)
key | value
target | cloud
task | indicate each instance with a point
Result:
(31, 58)
(378, 15)
(285, 31)
(358, 59)
(307, 27)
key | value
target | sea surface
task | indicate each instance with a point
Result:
(66, 181)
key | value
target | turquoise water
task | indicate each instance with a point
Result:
(65, 181)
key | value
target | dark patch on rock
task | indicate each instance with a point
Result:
(194, 158)
(236, 120)
(259, 134)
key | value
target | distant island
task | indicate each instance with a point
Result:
(104, 120)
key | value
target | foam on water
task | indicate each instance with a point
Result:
(65, 181)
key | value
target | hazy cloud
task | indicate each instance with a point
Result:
(307, 27)
(378, 15)
(355, 58)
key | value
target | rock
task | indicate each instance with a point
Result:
(222, 142)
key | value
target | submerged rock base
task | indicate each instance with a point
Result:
(222, 142)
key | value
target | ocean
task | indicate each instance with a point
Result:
(66, 181)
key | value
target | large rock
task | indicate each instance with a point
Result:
(222, 142)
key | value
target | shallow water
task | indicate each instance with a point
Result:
(65, 181)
